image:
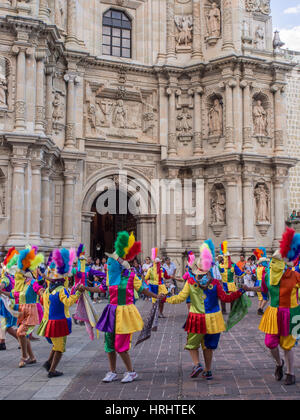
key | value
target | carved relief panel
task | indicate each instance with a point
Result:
(262, 117)
(212, 13)
(2, 194)
(119, 112)
(214, 118)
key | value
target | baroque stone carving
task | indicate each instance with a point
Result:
(58, 112)
(213, 24)
(184, 26)
(59, 13)
(260, 38)
(259, 119)
(218, 205)
(262, 199)
(262, 6)
(215, 118)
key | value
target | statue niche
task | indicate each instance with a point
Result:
(213, 23)
(262, 210)
(184, 37)
(218, 208)
(215, 119)
(260, 114)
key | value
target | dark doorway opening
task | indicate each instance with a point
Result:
(104, 229)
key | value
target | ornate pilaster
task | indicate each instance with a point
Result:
(229, 130)
(49, 100)
(71, 23)
(280, 176)
(171, 232)
(44, 11)
(198, 177)
(172, 139)
(197, 42)
(279, 116)
(71, 79)
(20, 106)
(227, 25)
(247, 140)
(40, 105)
(198, 146)
(70, 176)
(171, 48)
(35, 200)
(248, 206)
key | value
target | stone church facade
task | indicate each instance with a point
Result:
(156, 89)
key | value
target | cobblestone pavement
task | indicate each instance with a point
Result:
(242, 367)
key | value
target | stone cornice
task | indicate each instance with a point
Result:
(122, 146)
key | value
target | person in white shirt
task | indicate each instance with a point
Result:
(147, 264)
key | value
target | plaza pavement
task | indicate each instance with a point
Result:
(242, 367)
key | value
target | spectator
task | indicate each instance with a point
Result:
(293, 216)
(171, 268)
(250, 277)
(147, 264)
(137, 268)
(298, 215)
(242, 262)
(97, 266)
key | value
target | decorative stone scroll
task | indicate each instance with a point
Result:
(261, 6)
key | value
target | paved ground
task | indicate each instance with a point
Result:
(242, 367)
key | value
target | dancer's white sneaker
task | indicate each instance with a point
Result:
(110, 377)
(129, 377)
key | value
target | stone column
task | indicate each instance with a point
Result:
(232, 208)
(200, 205)
(248, 208)
(229, 146)
(71, 22)
(49, 101)
(247, 114)
(197, 45)
(227, 25)
(86, 220)
(279, 222)
(198, 147)
(237, 111)
(70, 142)
(171, 237)
(40, 105)
(45, 205)
(279, 117)
(17, 234)
(20, 88)
(35, 200)
(44, 11)
(68, 219)
(172, 138)
(171, 49)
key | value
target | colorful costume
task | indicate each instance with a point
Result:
(156, 275)
(120, 318)
(228, 270)
(57, 322)
(7, 282)
(261, 271)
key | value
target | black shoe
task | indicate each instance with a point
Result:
(196, 371)
(2, 346)
(207, 375)
(47, 366)
(290, 379)
(279, 371)
(54, 374)
(260, 311)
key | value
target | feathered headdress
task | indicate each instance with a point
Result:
(11, 252)
(204, 263)
(211, 246)
(224, 248)
(154, 253)
(126, 247)
(80, 251)
(29, 260)
(63, 259)
(10, 261)
(290, 245)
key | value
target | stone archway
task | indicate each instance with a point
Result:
(146, 229)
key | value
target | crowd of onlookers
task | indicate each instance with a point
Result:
(295, 216)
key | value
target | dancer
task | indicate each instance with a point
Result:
(205, 321)
(25, 293)
(8, 321)
(156, 275)
(261, 271)
(280, 319)
(120, 319)
(57, 323)
(228, 270)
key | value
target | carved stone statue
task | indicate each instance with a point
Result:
(119, 115)
(215, 119)
(184, 122)
(3, 92)
(91, 116)
(265, 6)
(262, 204)
(184, 25)
(262, 6)
(260, 119)
(57, 108)
(218, 206)
(213, 21)
(260, 37)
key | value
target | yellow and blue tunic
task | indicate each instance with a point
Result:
(156, 275)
